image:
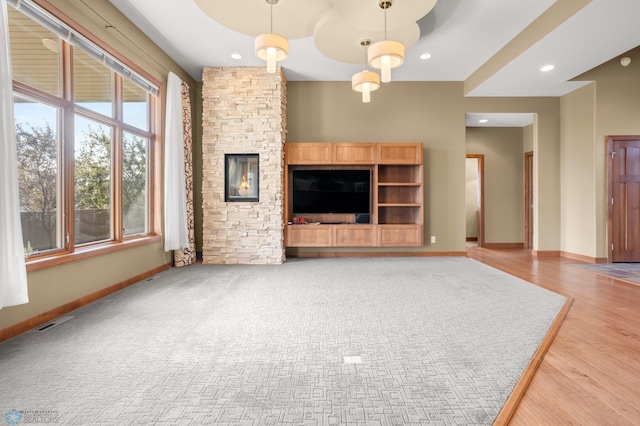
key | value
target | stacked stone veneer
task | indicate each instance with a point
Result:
(243, 112)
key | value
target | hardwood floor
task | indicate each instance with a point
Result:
(591, 372)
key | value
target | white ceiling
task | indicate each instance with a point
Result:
(460, 35)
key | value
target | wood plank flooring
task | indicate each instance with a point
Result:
(591, 372)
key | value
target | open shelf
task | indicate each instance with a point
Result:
(400, 195)
(409, 215)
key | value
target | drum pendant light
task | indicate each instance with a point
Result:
(387, 54)
(271, 47)
(365, 81)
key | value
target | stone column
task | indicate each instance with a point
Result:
(243, 112)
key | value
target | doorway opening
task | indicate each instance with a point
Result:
(475, 200)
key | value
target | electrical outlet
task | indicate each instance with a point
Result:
(433, 239)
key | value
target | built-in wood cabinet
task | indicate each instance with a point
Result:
(396, 195)
(309, 235)
(308, 153)
(400, 153)
(330, 153)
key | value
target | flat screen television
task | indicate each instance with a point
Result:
(331, 191)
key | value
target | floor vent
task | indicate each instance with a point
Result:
(53, 323)
(352, 359)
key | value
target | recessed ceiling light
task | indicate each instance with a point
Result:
(484, 120)
(50, 44)
(425, 56)
(236, 56)
(547, 68)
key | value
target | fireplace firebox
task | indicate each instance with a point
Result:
(241, 182)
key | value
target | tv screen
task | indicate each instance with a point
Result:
(331, 191)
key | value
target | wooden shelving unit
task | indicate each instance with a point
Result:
(397, 194)
(400, 195)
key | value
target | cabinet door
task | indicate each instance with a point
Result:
(354, 153)
(355, 236)
(399, 235)
(309, 235)
(308, 153)
(400, 153)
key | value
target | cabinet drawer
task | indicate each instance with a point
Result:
(355, 236)
(400, 153)
(308, 153)
(309, 236)
(399, 235)
(354, 153)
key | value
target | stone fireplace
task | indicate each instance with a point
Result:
(243, 112)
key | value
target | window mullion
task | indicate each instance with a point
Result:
(66, 64)
(118, 218)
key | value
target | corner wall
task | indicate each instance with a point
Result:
(243, 112)
(578, 174)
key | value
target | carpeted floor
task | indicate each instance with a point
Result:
(381, 341)
(624, 271)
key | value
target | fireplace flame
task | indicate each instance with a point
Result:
(244, 185)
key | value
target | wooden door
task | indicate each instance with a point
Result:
(624, 198)
(528, 199)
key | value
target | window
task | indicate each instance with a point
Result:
(39, 173)
(84, 127)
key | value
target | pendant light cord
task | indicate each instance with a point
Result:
(365, 43)
(385, 23)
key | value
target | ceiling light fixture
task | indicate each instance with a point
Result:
(625, 61)
(483, 120)
(236, 56)
(547, 68)
(365, 81)
(271, 47)
(387, 54)
(425, 56)
(50, 44)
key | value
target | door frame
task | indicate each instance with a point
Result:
(480, 158)
(528, 200)
(610, 140)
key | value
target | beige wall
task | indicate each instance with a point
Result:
(429, 113)
(578, 151)
(55, 286)
(617, 112)
(502, 148)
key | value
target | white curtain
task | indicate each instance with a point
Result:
(13, 275)
(176, 234)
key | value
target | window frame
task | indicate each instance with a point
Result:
(118, 241)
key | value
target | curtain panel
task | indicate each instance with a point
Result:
(176, 235)
(13, 273)
(186, 256)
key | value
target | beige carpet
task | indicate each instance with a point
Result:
(386, 341)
